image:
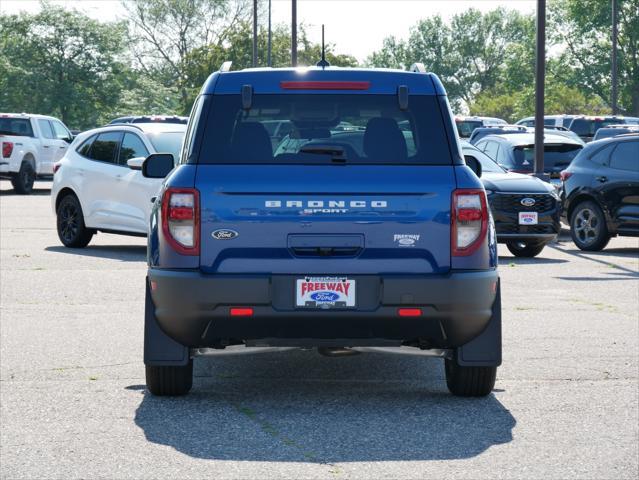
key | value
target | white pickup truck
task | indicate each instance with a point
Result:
(31, 145)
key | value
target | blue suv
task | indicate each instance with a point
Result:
(375, 236)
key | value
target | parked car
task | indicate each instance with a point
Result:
(466, 125)
(601, 192)
(586, 126)
(562, 120)
(98, 186)
(526, 210)
(324, 246)
(614, 130)
(150, 119)
(31, 144)
(515, 152)
(482, 132)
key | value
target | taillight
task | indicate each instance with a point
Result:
(181, 219)
(565, 175)
(7, 149)
(469, 221)
(56, 167)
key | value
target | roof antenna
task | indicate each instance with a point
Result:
(323, 63)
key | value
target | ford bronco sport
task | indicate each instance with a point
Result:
(375, 236)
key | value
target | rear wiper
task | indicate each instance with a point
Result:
(337, 153)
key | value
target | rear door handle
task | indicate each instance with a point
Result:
(602, 178)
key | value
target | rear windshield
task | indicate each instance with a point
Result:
(465, 128)
(586, 128)
(19, 127)
(554, 156)
(326, 128)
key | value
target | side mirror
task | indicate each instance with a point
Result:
(135, 163)
(157, 165)
(474, 164)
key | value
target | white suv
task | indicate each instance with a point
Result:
(98, 185)
(31, 144)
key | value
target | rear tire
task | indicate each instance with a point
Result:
(72, 231)
(169, 380)
(588, 227)
(22, 181)
(469, 381)
(525, 249)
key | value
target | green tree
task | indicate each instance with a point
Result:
(62, 63)
(164, 33)
(583, 27)
(472, 54)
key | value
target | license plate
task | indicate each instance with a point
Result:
(528, 218)
(325, 292)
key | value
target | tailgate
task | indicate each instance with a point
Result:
(325, 219)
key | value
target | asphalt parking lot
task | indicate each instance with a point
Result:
(74, 405)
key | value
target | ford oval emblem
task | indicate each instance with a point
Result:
(324, 296)
(527, 202)
(224, 234)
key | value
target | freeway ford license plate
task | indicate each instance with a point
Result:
(528, 218)
(325, 292)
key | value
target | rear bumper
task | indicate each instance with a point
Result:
(193, 309)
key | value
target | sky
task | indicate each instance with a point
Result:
(356, 27)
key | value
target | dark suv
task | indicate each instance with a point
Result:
(587, 126)
(601, 192)
(327, 244)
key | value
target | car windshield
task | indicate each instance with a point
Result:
(325, 128)
(167, 142)
(465, 127)
(555, 156)
(19, 127)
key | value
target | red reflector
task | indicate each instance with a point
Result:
(409, 312)
(7, 149)
(325, 85)
(241, 312)
(565, 175)
(468, 214)
(180, 213)
(154, 285)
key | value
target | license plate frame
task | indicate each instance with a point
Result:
(325, 292)
(528, 218)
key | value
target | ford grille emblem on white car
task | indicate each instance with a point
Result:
(224, 234)
(527, 202)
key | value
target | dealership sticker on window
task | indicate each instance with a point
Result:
(528, 218)
(325, 292)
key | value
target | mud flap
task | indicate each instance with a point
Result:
(159, 348)
(484, 350)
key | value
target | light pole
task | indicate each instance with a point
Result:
(294, 34)
(254, 33)
(540, 77)
(615, 33)
(268, 52)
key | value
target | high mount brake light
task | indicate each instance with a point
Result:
(409, 312)
(241, 311)
(469, 221)
(308, 85)
(7, 149)
(181, 219)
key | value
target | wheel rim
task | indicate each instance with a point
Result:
(28, 178)
(586, 226)
(69, 222)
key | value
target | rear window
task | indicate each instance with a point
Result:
(554, 156)
(167, 142)
(465, 128)
(19, 127)
(586, 127)
(326, 128)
